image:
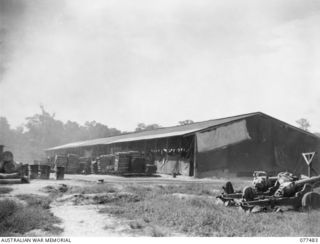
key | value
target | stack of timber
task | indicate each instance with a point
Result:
(84, 165)
(122, 163)
(106, 163)
(137, 164)
(123, 160)
(128, 163)
(73, 165)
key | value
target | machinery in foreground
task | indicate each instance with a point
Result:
(12, 172)
(283, 192)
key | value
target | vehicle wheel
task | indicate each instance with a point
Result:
(248, 193)
(311, 200)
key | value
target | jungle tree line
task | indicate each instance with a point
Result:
(43, 130)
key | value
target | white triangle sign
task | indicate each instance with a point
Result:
(308, 157)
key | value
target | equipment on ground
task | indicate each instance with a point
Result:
(285, 191)
(262, 185)
(12, 172)
(293, 195)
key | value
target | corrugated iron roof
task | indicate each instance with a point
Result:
(154, 134)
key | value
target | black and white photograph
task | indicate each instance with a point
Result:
(167, 118)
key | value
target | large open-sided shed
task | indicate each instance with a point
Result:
(235, 145)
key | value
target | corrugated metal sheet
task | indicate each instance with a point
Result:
(154, 134)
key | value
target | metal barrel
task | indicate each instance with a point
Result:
(60, 173)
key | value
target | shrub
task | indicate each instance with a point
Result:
(16, 218)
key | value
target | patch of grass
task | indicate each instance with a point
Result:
(190, 188)
(36, 200)
(202, 217)
(118, 198)
(5, 190)
(7, 208)
(17, 218)
(95, 188)
(114, 210)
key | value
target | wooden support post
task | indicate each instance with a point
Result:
(195, 165)
(309, 169)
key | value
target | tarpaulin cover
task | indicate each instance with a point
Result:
(273, 147)
(288, 148)
(222, 136)
(184, 167)
(167, 165)
(173, 164)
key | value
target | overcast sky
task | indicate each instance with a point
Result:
(123, 62)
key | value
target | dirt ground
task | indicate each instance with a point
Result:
(85, 219)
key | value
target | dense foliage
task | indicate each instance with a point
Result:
(43, 130)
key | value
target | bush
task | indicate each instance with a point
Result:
(16, 218)
(7, 208)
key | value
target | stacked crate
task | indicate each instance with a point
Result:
(106, 164)
(137, 164)
(84, 165)
(122, 162)
(73, 165)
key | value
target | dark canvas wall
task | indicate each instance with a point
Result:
(273, 147)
